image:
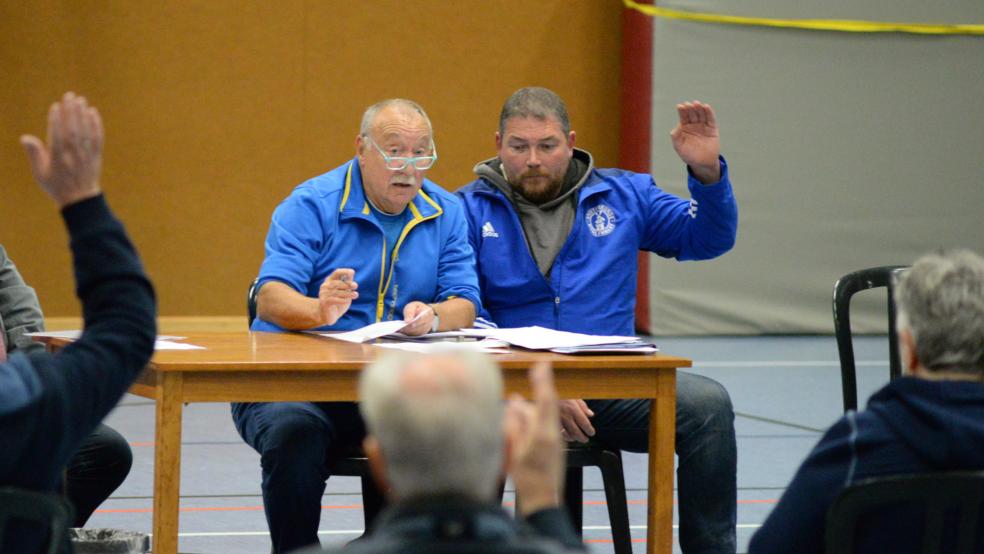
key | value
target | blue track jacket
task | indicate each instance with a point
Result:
(326, 223)
(592, 284)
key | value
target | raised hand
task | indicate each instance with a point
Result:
(68, 167)
(696, 140)
(536, 453)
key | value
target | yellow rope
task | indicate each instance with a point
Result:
(844, 26)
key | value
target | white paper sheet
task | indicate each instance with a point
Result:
(160, 344)
(488, 346)
(540, 338)
(74, 334)
(369, 332)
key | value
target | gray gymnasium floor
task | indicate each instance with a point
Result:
(786, 392)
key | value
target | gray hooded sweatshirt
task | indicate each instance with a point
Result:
(546, 225)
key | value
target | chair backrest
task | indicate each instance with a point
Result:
(844, 289)
(251, 300)
(46, 510)
(944, 500)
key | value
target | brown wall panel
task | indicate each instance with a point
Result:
(215, 111)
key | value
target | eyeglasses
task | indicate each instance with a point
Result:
(398, 163)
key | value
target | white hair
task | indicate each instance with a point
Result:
(370, 114)
(941, 302)
(443, 436)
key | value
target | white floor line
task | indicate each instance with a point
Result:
(788, 363)
(360, 531)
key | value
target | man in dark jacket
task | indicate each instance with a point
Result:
(50, 403)
(104, 458)
(439, 440)
(930, 420)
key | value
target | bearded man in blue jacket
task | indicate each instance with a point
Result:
(369, 241)
(556, 244)
(929, 420)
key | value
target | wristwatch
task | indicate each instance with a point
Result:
(437, 319)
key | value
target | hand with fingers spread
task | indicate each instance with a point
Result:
(536, 453)
(68, 166)
(336, 294)
(575, 422)
(421, 326)
(696, 140)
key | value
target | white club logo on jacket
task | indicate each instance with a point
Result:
(600, 220)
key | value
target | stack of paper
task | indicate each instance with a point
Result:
(533, 338)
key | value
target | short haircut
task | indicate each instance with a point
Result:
(941, 301)
(370, 114)
(445, 438)
(535, 102)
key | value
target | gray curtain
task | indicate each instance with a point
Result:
(846, 151)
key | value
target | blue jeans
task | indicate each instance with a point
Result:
(706, 453)
(296, 442)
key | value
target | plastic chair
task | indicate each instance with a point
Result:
(844, 289)
(50, 511)
(609, 462)
(948, 502)
(351, 462)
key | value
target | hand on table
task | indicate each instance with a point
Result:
(421, 326)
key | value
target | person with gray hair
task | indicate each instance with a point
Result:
(440, 438)
(322, 271)
(929, 420)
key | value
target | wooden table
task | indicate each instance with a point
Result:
(258, 367)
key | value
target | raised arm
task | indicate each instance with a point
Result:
(76, 388)
(697, 142)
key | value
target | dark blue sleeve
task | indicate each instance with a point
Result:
(797, 522)
(68, 393)
(554, 523)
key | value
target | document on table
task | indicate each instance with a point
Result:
(163, 342)
(541, 338)
(487, 346)
(372, 331)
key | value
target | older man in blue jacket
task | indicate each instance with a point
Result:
(555, 241)
(369, 241)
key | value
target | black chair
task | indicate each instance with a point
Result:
(950, 505)
(48, 510)
(350, 462)
(609, 462)
(844, 289)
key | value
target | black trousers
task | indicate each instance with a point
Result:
(96, 469)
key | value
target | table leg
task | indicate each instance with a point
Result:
(167, 463)
(662, 432)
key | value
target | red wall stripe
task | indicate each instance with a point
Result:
(636, 120)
